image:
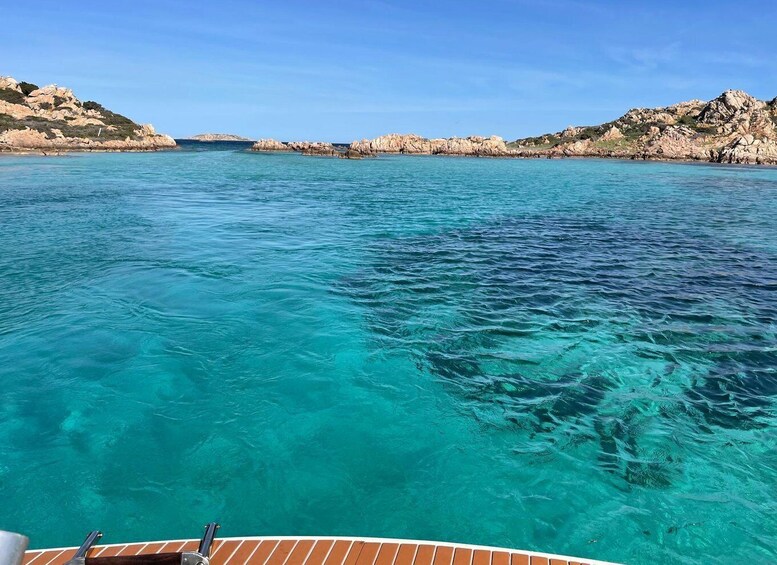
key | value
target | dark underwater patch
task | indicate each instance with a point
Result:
(464, 301)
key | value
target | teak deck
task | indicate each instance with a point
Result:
(321, 551)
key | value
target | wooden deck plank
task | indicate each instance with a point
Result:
(313, 551)
(151, 548)
(281, 552)
(500, 558)
(47, 557)
(62, 557)
(340, 551)
(319, 552)
(462, 556)
(353, 553)
(481, 557)
(368, 553)
(29, 556)
(131, 549)
(300, 554)
(263, 552)
(425, 554)
(243, 552)
(387, 553)
(223, 552)
(194, 545)
(169, 547)
(443, 555)
(108, 551)
(406, 554)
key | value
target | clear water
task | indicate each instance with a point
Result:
(571, 356)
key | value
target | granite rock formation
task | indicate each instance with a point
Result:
(313, 148)
(732, 128)
(414, 144)
(52, 119)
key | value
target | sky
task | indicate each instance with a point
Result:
(339, 70)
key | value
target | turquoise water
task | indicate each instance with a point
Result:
(571, 356)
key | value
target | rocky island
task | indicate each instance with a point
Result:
(218, 137)
(52, 119)
(732, 128)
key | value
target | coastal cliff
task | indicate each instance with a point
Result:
(52, 119)
(732, 128)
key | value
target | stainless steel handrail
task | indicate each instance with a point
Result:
(12, 548)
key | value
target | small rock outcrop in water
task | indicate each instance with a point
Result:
(218, 137)
(270, 145)
(732, 128)
(51, 118)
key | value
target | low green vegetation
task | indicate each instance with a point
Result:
(110, 118)
(12, 96)
(27, 87)
(117, 127)
(47, 126)
(539, 142)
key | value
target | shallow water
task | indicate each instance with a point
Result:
(570, 356)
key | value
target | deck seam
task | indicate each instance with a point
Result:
(393, 557)
(248, 559)
(215, 552)
(57, 555)
(124, 549)
(434, 556)
(415, 554)
(142, 548)
(272, 550)
(375, 559)
(328, 553)
(231, 555)
(307, 555)
(34, 558)
(293, 547)
(347, 551)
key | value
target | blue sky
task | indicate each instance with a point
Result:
(340, 70)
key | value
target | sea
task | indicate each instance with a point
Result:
(570, 356)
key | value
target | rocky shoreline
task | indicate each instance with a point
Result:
(310, 148)
(52, 120)
(732, 128)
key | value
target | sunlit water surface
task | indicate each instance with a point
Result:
(570, 356)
